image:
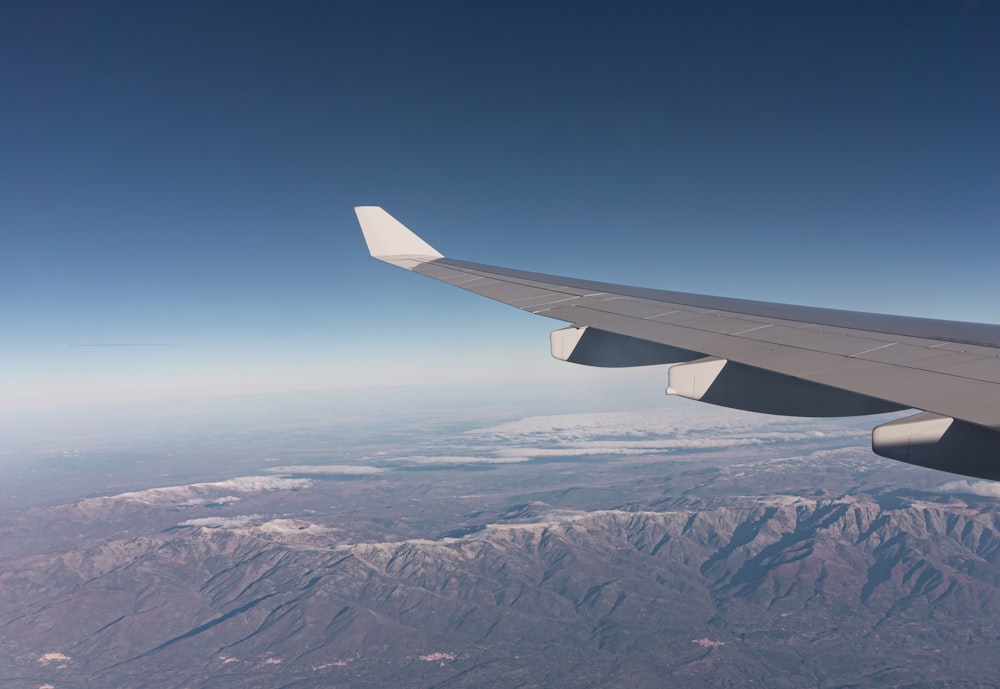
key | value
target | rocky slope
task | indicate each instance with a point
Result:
(882, 589)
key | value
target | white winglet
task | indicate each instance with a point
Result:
(390, 241)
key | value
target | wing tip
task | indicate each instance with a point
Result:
(390, 240)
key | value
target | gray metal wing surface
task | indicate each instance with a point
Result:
(759, 356)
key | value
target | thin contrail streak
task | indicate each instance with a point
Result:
(123, 344)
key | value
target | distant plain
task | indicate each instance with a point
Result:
(450, 541)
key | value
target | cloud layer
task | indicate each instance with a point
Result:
(988, 489)
(327, 469)
(200, 494)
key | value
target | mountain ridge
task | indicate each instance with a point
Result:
(741, 587)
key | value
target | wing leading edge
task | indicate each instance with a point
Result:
(759, 356)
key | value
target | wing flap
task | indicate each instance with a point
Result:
(976, 401)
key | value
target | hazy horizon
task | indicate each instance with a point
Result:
(184, 175)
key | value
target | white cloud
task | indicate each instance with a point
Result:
(199, 494)
(450, 460)
(708, 643)
(47, 658)
(259, 524)
(647, 432)
(293, 526)
(327, 469)
(989, 489)
(222, 522)
(623, 447)
(656, 429)
(213, 502)
(858, 458)
(545, 517)
(256, 484)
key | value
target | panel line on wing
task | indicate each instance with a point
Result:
(977, 399)
(874, 349)
(759, 327)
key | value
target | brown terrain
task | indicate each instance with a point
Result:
(815, 569)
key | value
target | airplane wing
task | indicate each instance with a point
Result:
(759, 356)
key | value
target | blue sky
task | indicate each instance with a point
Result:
(183, 175)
